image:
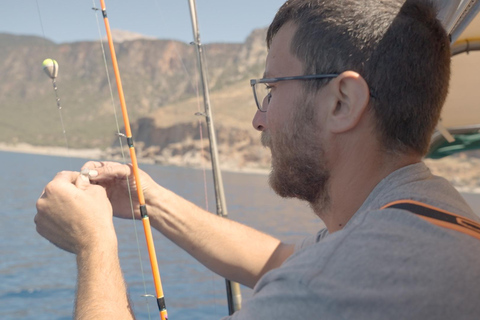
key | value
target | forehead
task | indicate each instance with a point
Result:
(280, 60)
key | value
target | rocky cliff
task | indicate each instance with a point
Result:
(161, 89)
(160, 81)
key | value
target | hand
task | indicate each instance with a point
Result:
(74, 214)
(117, 179)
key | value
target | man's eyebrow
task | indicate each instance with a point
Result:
(268, 75)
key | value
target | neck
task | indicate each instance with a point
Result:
(354, 175)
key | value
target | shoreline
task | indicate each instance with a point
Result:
(52, 151)
(462, 172)
(97, 154)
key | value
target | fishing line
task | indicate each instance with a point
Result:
(234, 296)
(51, 69)
(50, 66)
(41, 25)
(202, 113)
(194, 85)
(233, 289)
(120, 135)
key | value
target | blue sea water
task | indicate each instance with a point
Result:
(37, 280)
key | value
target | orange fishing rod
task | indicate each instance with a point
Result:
(141, 199)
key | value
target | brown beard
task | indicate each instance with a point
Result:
(298, 161)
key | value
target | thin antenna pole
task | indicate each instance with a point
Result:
(234, 295)
(141, 199)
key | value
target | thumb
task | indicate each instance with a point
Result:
(82, 182)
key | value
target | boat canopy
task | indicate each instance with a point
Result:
(459, 126)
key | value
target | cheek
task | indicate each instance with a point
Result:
(279, 113)
(271, 118)
(283, 107)
(277, 125)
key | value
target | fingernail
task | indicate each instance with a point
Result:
(93, 173)
(84, 178)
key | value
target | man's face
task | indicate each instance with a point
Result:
(289, 127)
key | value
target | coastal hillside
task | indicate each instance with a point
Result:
(160, 83)
(163, 98)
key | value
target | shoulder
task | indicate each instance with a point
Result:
(385, 258)
(416, 182)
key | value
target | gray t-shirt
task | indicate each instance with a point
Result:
(384, 264)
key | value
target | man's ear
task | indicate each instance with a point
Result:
(352, 96)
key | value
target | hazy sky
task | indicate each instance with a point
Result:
(73, 20)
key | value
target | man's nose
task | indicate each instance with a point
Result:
(259, 120)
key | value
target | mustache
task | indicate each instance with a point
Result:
(265, 139)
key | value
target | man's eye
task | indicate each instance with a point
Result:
(269, 93)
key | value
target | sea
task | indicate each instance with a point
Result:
(38, 280)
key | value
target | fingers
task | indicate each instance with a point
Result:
(94, 164)
(100, 164)
(82, 181)
(61, 180)
(72, 213)
(105, 170)
(66, 176)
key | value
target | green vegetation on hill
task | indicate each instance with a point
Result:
(156, 74)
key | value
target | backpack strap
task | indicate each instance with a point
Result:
(438, 216)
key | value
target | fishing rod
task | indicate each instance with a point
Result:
(234, 295)
(141, 199)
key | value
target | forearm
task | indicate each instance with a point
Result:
(101, 290)
(228, 248)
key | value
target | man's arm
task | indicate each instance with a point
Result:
(77, 217)
(230, 249)
(101, 290)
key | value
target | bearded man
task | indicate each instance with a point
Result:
(352, 92)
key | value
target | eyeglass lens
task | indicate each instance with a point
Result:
(262, 91)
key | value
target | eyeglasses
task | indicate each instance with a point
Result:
(261, 88)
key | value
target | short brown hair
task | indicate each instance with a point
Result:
(399, 47)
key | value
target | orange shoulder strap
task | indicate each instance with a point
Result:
(438, 216)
